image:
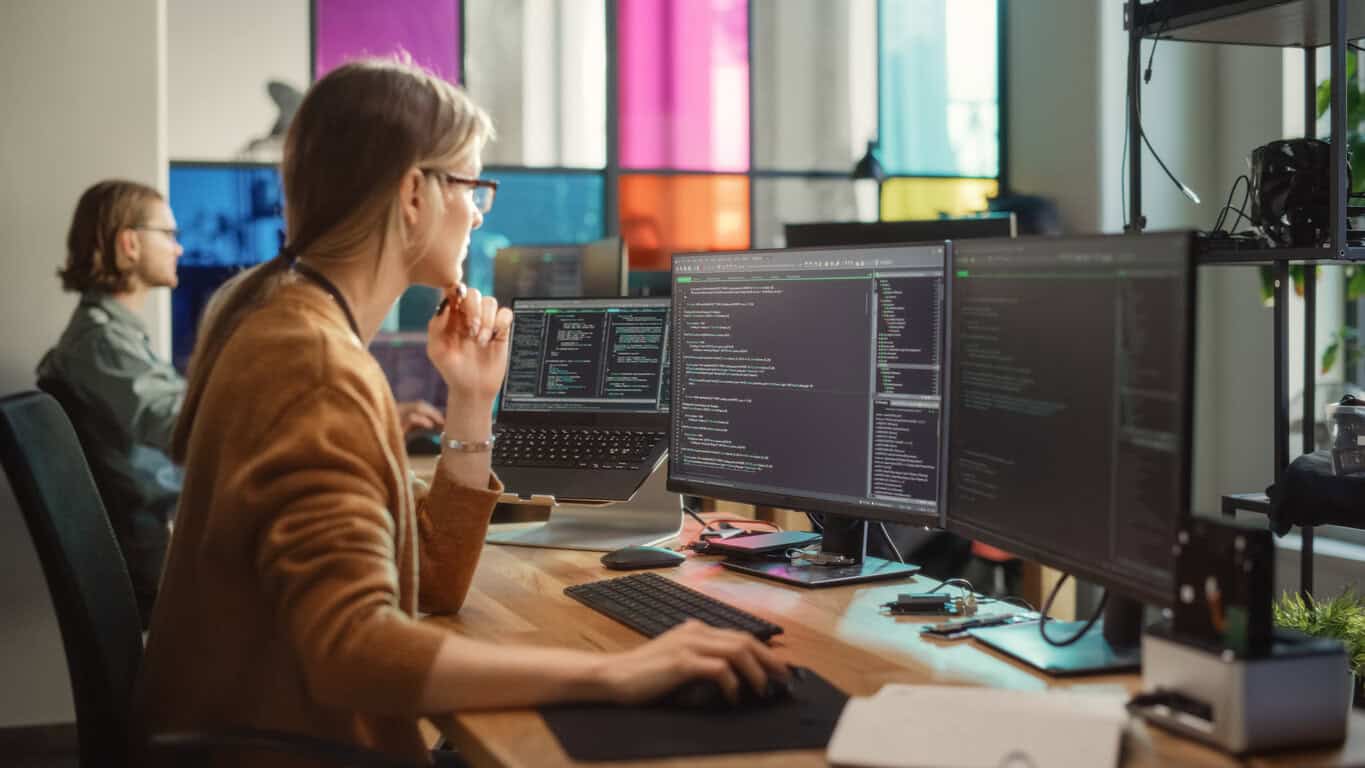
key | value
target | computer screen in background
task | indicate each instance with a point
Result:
(403, 356)
(835, 233)
(812, 379)
(1071, 363)
(230, 216)
(552, 271)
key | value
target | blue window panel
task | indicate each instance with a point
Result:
(230, 217)
(531, 209)
(939, 102)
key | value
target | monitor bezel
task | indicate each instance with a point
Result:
(840, 233)
(1123, 583)
(606, 420)
(813, 504)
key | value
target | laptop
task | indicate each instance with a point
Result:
(583, 413)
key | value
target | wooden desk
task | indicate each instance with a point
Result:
(517, 597)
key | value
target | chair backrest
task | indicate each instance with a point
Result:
(85, 571)
(115, 484)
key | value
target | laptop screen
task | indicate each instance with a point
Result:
(588, 356)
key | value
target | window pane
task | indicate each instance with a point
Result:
(905, 199)
(664, 214)
(815, 83)
(684, 84)
(939, 106)
(229, 217)
(530, 209)
(540, 69)
(427, 29)
(780, 201)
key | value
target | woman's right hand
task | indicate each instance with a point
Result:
(467, 343)
(689, 651)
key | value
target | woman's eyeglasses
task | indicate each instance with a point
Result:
(171, 232)
(482, 191)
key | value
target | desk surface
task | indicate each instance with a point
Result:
(517, 597)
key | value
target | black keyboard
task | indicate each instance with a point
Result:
(574, 448)
(651, 605)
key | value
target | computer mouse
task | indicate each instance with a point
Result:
(705, 694)
(424, 442)
(634, 558)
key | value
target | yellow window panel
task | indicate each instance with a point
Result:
(908, 199)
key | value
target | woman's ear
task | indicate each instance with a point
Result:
(411, 201)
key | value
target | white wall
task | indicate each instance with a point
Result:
(220, 55)
(83, 88)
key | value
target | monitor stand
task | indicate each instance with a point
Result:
(651, 516)
(1112, 646)
(841, 535)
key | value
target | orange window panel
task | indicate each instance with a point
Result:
(661, 215)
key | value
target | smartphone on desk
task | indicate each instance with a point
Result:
(761, 544)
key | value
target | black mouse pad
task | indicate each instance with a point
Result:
(615, 732)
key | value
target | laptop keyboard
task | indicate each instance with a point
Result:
(574, 447)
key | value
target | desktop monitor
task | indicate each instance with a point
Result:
(833, 233)
(812, 379)
(230, 217)
(560, 271)
(1072, 361)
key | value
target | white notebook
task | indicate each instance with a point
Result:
(907, 726)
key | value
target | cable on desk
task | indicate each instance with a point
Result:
(887, 535)
(1047, 607)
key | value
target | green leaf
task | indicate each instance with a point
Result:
(1342, 617)
(1267, 286)
(1355, 289)
(1329, 356)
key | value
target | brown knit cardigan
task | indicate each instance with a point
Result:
(303, 550)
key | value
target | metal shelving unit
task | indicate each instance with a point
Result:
(1303, 24)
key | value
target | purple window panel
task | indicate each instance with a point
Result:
(429, 30)
(684, 84)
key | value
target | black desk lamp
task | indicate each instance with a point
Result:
(870, 166)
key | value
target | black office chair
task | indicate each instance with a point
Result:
(93, 597)
(115, 484)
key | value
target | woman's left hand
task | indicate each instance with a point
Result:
(467, 342)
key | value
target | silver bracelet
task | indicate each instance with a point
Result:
(462, 446)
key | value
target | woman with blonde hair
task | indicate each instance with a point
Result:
(303, 552)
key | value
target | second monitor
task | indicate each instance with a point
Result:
(812, 379)
(560, 271)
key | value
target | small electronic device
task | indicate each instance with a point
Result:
(928, 603)
(762, 544)
(1225, 576)
(635, 558)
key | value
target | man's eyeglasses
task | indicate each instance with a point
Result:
(482, 191)
(171, 232)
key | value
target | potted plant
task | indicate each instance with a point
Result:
(1342, 618)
